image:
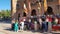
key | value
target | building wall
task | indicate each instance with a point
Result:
(18, 9)
(59, 6)
(59, 2)
(33, 7)
(54, 5)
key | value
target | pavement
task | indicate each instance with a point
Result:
(5, 29)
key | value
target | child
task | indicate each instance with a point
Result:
(16, 26)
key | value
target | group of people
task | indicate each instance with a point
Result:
(43, 23)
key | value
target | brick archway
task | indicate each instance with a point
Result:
(49, 10)
(33, 12)
(24, 14)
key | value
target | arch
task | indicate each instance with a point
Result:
(49, 10)
(24, 14)
(33, 12)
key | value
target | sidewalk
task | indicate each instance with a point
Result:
(5, 29)
(2, 33)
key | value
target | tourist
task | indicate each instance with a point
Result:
(44, 25)
(47, 20)
(59, 20)
(56, 20)
(49, 23)
(22, 25)
(35, 25)
(53, 22)
(12, 25)
(40, 22)
(29, 24)
(16, 26)
(19, 25)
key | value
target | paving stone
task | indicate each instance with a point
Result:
(2, 33)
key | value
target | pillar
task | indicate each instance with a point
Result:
(21, 8)
(59, 2)
(40, 8)
(59, 6)
(45, 6)
(28, 5)
(13, 10)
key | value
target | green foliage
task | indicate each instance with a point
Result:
(5, 13)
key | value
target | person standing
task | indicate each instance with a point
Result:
(29, 24)
(35, 25)
(40, 22)
(56, 20)
(47, 21)
(16, 26)
(22, 25)
(44, 25)
(50, 23)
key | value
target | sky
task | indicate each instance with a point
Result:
(5, 4)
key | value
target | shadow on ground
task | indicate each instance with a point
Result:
(8, 29)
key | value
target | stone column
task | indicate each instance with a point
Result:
(59, 2)
(21, 8)
(45, 5)
(13, 10)
(40, 8)
(28, 5)
(59, 7)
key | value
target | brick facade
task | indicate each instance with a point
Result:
(17, 7)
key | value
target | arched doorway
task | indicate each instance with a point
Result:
(24, 14)
(49, 10)
(33, 13)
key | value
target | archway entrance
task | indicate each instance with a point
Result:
(49, 11)
(33, 13)
(24, 14)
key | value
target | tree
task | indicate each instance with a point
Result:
(5, 13)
